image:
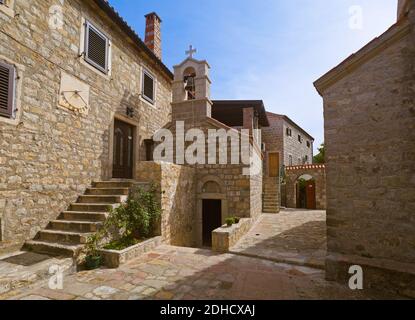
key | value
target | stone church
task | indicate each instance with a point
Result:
(82, 98)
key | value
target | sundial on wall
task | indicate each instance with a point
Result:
(74, 94)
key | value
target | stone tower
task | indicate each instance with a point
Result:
(191, 90)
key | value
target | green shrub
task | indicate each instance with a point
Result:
(132, 221)
(230, 221)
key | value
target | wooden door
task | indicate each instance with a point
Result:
(311, 195)
(123, 150)
(212, 219)
(273, 164)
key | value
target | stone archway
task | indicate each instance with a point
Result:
(315, 175)
(305, 196)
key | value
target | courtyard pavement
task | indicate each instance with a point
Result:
(292, 236)
(185, 273)
(176, 273)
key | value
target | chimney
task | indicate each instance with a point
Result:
(153, 33)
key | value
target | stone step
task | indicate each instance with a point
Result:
(92, 207)
(83, 216)
(54, 249)
(108, 199)
(63, 237)
(75, 226)
(113, 184)
(107, 191)
(270, 208)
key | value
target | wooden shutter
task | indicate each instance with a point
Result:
(148, 87)
(6, 89)
(96, 48)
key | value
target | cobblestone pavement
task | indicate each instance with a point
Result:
(184, 273)
(292, 236)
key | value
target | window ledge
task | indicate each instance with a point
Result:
(147, 102)
(84, 62)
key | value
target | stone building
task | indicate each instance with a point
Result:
(82, 102)
(77, 83)
(370, 149)
(285, 144)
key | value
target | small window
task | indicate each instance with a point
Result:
(96, 48)
(308, 144)
(290, 160)
(289, 132)
(300, 139)
(148, 87)
(7, 76)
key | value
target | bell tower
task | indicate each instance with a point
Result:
(191, 88)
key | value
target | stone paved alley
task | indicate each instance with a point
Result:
(186, 273)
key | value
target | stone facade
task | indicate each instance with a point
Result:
(177, 187)
(317, 172)
(370, 149)
(276, 139)
(49, 155)
(290, 151)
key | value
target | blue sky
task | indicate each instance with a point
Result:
(265, 49)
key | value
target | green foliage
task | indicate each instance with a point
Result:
(132, 221)
(230, 221)
(321, 156)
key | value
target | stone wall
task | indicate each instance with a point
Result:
(49, 155)
(178, 200)
(318, 172)
(370, 149)
(273, 137)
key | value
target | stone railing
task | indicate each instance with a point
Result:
(226, 237)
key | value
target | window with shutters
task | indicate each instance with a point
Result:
(148, 90)
(7, 77)
(96, 48)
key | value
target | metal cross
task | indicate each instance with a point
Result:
(191, 51)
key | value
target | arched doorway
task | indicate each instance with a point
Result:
(212, 208)
(306, 192)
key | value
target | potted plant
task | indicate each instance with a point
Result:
(93, 259)
(230, 221)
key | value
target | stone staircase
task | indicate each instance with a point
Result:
(271, 195)
(67, 235)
